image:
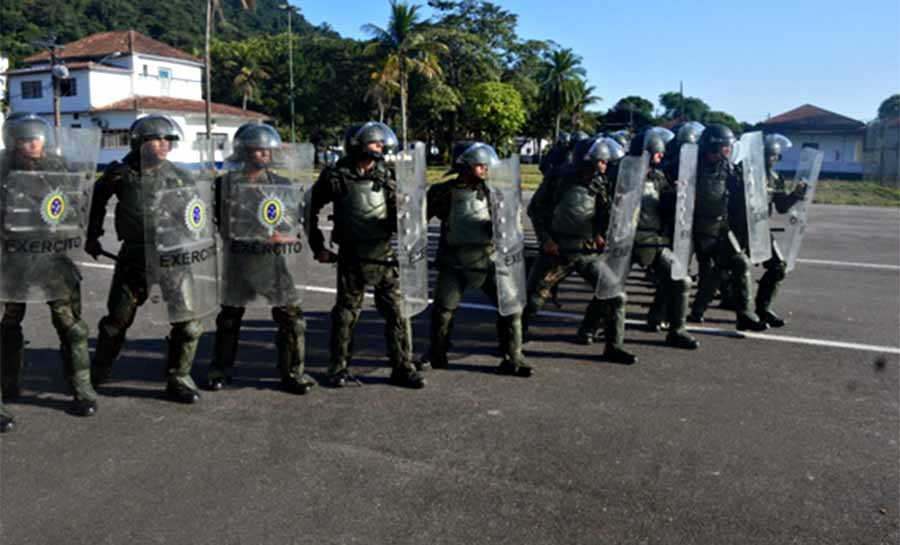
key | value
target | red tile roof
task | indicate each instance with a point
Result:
(106, 43)
(169, 104)
(809, 117)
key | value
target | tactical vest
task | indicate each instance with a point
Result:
(711, 193)
(575, 212)
(469, 222)
(361, 213)
(649, 217)
(130, 207)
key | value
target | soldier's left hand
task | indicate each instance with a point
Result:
(600, 242)
(800, 190)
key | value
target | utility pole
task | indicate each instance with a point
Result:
(289, 9)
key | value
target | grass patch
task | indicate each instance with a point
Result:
(857, 192)
(531, 176)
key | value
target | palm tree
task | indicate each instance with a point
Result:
(406, 49)
(248, 81)
(581, 100)
(214, 6)
(382, 89)
(562, 73)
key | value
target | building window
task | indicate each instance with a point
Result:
(837, 156)
(76, 125)
(165, 73)
(813, 145)
(32, 89)
(68, 87)
(219, 139)
(115, 138)
(146, 71)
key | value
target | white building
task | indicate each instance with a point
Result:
(838, 137)
(117, 77)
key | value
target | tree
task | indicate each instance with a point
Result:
(407, 49)
(677, 105)
(214, 6)
(581, 100)
(890, 107)
(248, 81)
(382, 89)
(496, 110)
(562, 72)
(635, 104)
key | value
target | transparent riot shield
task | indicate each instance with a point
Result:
(44, 207)
(509, 240)
(412, 229)
(686, 185)
(756, 198)
(807, 172)
(181, 251)
(623, 221)
(261, 215)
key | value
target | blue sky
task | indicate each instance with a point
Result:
(750, 59)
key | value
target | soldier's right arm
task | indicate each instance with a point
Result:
(107, 186)
(540, 209)
(437, 201)
(322, 194)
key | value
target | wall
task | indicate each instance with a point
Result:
(185, 82)
(842, 153)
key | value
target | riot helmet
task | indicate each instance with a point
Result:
(254, 136)
(653, 140)
(578, 136)
(359, 135)
(23, 126)
(154, 126)
(689, 133)
(776, 144)
(588, 152)
(623, 137)
(563, 139)
(467, 154)
(716, 137)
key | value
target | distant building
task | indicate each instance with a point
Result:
(4, 66)
(838, 137)
(881, 151)
(117, 77)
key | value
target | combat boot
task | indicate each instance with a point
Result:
(78, 369)
(12, 355)
(749, 322)
(584, 337)
(183, 342)
(680, 339)
(619, 355)
(299, 386)
(512, 368)
(407, 378)
(7, 423)
(695, 317)
(771, 319)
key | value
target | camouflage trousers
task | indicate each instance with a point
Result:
(715, 255)
(452, 283)
(352, 278)
(127, 293)
(670, 301)
(771, 280)
(548, 271)
(72, 330)
(290, 342)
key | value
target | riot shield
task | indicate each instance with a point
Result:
(756, 198)
(44, 207)
(509, 241)
(261, 215)
(181, 253)
(682, 241)
(412, 229)
(623, 221)
(807, 172)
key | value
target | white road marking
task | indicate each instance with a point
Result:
(697, 329)
(850, 264)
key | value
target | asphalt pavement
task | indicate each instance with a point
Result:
(790, 436)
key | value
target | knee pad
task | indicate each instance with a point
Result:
(187, 331)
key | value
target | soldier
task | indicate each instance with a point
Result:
(557, 155)
(653, 241)
(258, 254)
(782, 201)
(142, 171)
(363, 193)
(718, 202)
(465, 255)
(29, 165)
(570, 214)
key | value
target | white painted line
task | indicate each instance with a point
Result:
(850, 264)
(698, 329)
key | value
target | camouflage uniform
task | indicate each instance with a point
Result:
(248, 276)
(572, 211)
(465, 259)
(365, 213)
(65, 313)
(129, 287)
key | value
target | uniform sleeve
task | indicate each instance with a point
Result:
(782, 200)
(437, 203)
(104, 189)
(322, 194)
(540, 209)
(603, 205)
